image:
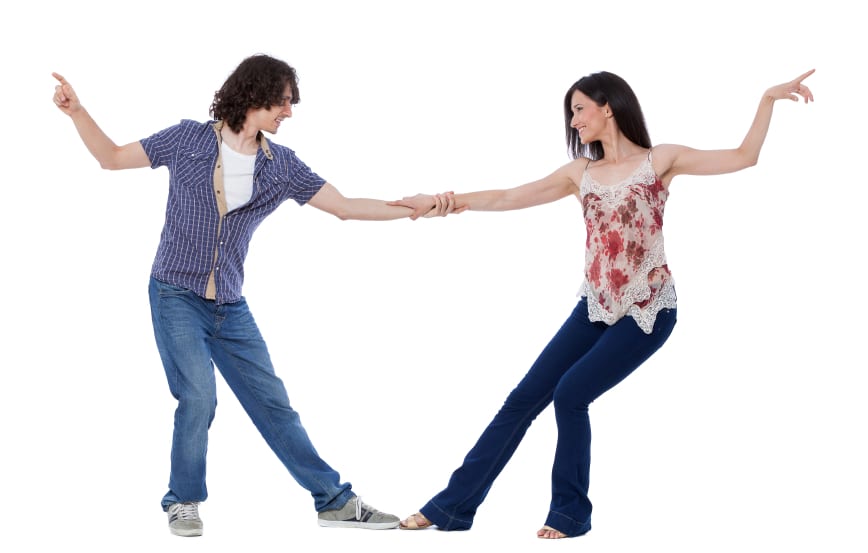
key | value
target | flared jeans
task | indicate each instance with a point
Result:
(581, 362)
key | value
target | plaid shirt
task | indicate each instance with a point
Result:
(202, 246)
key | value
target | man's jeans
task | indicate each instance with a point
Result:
(580, 363)
(193, 335)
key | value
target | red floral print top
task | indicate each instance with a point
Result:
(625, 264)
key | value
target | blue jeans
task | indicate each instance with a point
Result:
(579, 364)
(193, 335)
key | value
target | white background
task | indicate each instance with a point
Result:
(398, 341)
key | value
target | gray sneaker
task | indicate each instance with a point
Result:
(184, 519)
(355, 514)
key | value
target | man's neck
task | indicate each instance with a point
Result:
(244, 142)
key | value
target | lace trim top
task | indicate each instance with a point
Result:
(625, 264)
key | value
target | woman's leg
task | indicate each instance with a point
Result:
(617, 353)
(455, 507)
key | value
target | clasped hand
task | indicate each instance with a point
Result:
(427, 205)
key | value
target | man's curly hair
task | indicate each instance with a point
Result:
(258, 82)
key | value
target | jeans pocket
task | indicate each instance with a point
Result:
(168, 290)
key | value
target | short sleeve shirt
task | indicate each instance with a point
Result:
(202, 246)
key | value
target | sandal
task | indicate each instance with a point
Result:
(547, 532)
(416, 521)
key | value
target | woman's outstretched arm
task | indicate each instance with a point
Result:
(671, 159)
(559, 184)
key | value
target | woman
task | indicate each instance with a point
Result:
(628, 304)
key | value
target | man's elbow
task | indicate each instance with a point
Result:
(343, 212)
(109, 165)
(114, 160)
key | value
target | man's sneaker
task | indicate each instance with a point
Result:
(184, 519)
(355, 514)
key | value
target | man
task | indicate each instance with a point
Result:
(225, 177)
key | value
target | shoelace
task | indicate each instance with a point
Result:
(362, 507)
(187, 511)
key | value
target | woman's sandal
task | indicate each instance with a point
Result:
(416, 521)
(549, 533)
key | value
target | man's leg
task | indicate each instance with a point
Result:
(181, 325)
(242, 357)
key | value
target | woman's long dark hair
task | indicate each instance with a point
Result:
(603, 88)
(258, 82)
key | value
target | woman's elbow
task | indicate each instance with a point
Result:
(744, 159)
(750, 157)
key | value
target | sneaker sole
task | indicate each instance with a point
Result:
(192, 533)
(357, 524)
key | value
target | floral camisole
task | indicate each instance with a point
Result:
(625, 265)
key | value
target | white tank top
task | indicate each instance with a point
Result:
(237, 177)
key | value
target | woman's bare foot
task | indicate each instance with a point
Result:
(549, 533)
(416, 521)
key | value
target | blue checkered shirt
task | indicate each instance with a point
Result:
(202, 246)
